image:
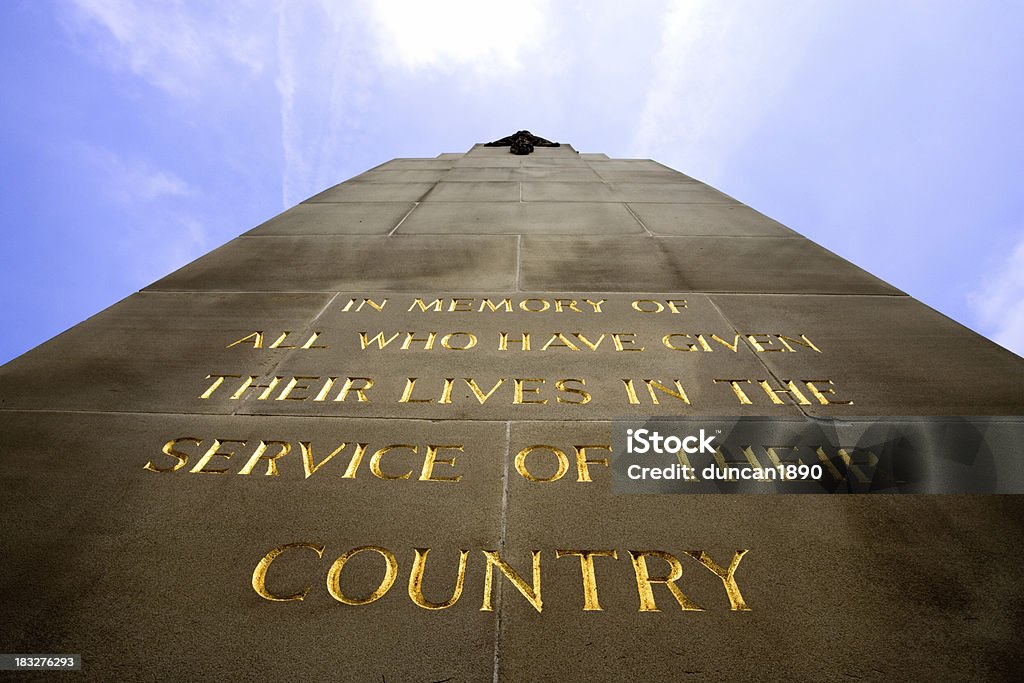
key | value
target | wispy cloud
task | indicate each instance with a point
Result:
(171, 46)
(130, 181)
(150, 230)
(999, 302)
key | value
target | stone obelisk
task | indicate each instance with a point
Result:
(369, 440)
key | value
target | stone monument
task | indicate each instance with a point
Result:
(370, 440)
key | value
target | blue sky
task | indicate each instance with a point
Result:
(137, 136)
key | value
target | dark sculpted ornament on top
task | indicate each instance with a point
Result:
(522, 142)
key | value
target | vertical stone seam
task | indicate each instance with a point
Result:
(756, 356)
(503, 524)
(273, 369)
(519, 259)
(407, 214)
(633, 214)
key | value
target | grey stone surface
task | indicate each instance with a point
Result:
(336, 218)
(318, 263)
(148, 574)
(586, 351)
(740, 264)
(639, 165)
(707, 219)
(837, 575)
(889, 355)
(386, 175)
(684, 193)
(441, 163)
(373, 192)
(665, 176)
(149, 352)
(128, 566)
(568, 192)
(474, 192)
(520, 218)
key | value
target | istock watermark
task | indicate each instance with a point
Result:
(807, 455)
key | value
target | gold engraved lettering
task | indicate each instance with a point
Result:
(521, 389)
(667, 341)
(213, 452)
(309, 466)
(169, 449)
(259, 574)
(416, 581)
(360, 391)
(326, 389)
(520, 463)
(424, 307)
(260, 454)
(583, 464)
(532, 594)
(256, 337)
(390, 572)
(631, 392)
(364, 302)
(586, 342)
(379, 340)
(428, 341)
(855, 469)
(217, 381)
(410, 386)
(644, 580)
(806, 342)
(503, 341)
(460, 306)
(647, 306)
(751, 458)
(376, 458)
(820, 393)
(309, 342)
(679, 393)
(480, 395)
(504, 303)
(248, 384)
(828, 464)
(563, 342)
(734, 347)
(446, 390)
(447, 342)
(431, 459)
(590, 601)
(793, 391)
(736, 389)
(760, 344)
(279, 342)
(736, 602)
(568, 303)
(673, 303)
(596, 305)
(357, 458)
(621, 339)
(525, 305)
(292, 385)
(584, 395)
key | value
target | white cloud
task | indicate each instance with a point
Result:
(447, 34)
(999, 303)
(131, 181)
